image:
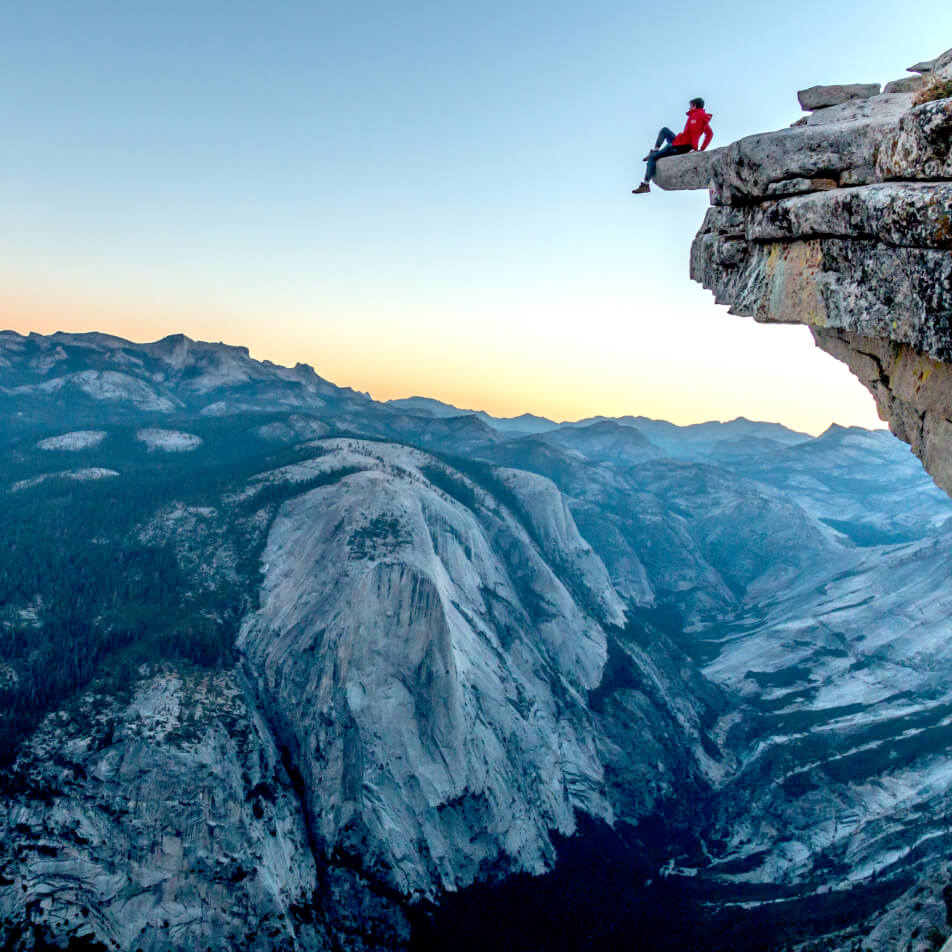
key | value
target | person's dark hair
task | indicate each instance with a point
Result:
(698, 102)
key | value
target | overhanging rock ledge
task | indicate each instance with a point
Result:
(843, 222)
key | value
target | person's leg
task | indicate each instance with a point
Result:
(665, 137)
(658, 154)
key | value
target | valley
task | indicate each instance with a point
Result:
(285, 667)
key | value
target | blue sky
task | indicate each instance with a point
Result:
(417, 197)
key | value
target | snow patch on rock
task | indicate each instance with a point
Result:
(77, 440)
(114, 386)
(169, 441)
(79, 475)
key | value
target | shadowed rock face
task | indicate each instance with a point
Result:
(844, 223)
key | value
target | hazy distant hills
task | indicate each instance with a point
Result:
(525, 423)
(673, 440)
(331, 656)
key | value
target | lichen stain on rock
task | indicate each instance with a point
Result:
(943, 232)
(793, 292)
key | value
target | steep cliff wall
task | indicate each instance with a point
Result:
(843, 222)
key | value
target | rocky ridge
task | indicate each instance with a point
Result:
(843, 222)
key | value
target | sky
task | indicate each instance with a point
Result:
(418, 197)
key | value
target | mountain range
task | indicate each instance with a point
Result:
(285, 667)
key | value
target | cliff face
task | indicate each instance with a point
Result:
(156, 821)
(843, 222)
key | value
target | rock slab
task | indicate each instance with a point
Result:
(820, 97)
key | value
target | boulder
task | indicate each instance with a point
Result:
(884, 106)
(819, 97)
(907, 84)
(751, 165)
(925, 66)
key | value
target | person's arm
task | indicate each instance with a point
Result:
(708, 135)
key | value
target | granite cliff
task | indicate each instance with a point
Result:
(843, 222)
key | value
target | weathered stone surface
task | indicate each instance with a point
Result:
(867, 265)
(912, 391)
(170, 824)
(820, 97)
(906, 84)
(799, 186)
(906, 214)
(920, 147)
(923, 66)
(877, 109)
(863, 175)
(689, 171)
(849, 140)
(942, 67)
(904, 294)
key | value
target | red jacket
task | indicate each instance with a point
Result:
(697, 126)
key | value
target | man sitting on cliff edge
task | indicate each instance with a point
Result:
(697, 126)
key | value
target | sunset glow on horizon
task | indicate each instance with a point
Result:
(418, 201)
(554, 385)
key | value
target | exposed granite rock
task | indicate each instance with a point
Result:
(167, 823)
(690, 171)
(923, 66)
(447, 640)
(848, 138)
(942, 67)
(914, 922)
(920, 147)
(442, 607)
(800, 186)
(901, 214)
(821, 97)
(905, 84)
(845, 224)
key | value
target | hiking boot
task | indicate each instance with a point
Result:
(641, 189)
